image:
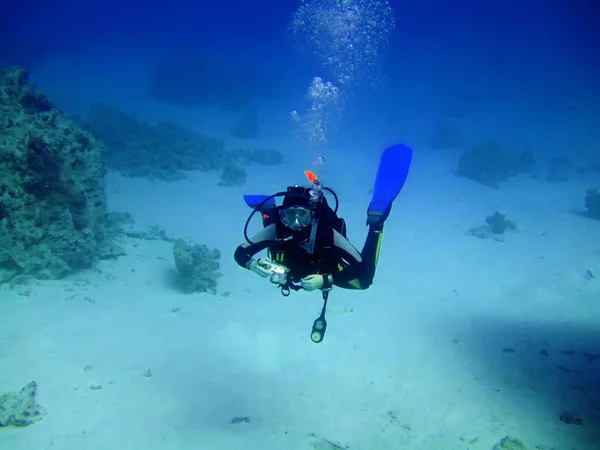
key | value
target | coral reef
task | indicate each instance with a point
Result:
(509, 443)
(495, 227)
(198, 266)
(162, 151)
(499, 224)
(570, 418)
(52, 201)
(232, 175)
(19, 409)
(166, 151)
(490, 163)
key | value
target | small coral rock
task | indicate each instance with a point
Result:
(197, 265)
(19, 409)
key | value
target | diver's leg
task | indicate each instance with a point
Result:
(370, 255)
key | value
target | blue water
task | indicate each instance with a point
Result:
(449, 76)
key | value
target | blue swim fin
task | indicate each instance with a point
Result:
(254, 200)
(391, 176)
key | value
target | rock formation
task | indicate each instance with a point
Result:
(52, 200)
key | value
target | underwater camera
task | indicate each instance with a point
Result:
(279, 273)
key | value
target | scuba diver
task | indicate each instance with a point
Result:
(306, 240)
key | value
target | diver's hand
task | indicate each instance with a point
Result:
(312, 282)
(258, 267)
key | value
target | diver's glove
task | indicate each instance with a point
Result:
(258, 267)
(316, 281)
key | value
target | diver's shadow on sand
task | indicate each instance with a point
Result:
(554, 364)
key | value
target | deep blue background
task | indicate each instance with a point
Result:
(535, 63)
(33, 28)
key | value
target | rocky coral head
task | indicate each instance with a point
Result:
(499, 224)
(18, 91)
(52, 204)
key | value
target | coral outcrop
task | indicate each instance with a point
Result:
(166, 150)
(509, 443)
(19, 409)
(495, 227)
(52, 200)
(198, 266)
(490, 163)
(162, 151)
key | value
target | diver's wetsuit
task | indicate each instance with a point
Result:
(335, 256)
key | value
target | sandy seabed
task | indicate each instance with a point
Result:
(459, 343)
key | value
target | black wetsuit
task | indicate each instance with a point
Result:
(333, 254)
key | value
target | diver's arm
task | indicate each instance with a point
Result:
(354, 263)
(261, 240)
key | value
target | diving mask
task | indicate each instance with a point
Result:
(296, 217)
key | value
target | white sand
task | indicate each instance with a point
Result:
(249, 353)
(424, 345)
